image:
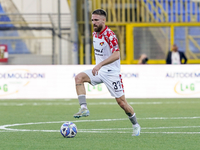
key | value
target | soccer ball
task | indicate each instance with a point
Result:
(68, 130)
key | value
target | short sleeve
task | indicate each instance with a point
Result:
(113, 42)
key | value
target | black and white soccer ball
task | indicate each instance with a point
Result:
(68, 130)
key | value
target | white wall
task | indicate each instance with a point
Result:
(41, 6)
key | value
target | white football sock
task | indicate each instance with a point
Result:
(84, 106)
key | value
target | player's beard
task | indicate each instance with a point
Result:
(98, 28)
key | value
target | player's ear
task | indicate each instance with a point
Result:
(104, 19)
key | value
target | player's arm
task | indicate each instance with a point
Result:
(115, 56)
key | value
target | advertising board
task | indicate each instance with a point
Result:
(140, 81)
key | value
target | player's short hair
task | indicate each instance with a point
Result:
(100, 12)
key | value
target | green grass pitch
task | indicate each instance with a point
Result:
(167, 124)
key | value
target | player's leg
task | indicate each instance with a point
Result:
(125, 106)
(85, 76)
(131, 114)
(80, 90)
(115, 86)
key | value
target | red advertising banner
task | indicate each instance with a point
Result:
(3, 53)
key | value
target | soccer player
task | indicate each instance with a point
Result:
(107, 69)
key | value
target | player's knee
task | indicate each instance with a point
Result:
(78, 79)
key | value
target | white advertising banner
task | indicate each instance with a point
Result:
(140, 81)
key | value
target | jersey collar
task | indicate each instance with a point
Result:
(103, 30)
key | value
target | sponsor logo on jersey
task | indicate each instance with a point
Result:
(100, 51)
(101, 43)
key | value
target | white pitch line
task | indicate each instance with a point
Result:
(36, 99)
(172, 132)
(153, 118)
(28, 130)
(82, 131)
(3, 131)
(143, 132)
(32, 123)
(107, 130)
(103, 130)
(93, 103)
(176, 127)
(168, 118)
(144, 128)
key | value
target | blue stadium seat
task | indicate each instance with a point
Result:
(171, 0)
(188, 18)
(172, 18)
(198, 18)
(189, 9)
(15, 46)
(175, 10)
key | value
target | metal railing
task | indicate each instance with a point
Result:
(155, 40)
(33, 36)
(149, 11)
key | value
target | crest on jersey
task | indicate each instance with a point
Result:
(101, 43)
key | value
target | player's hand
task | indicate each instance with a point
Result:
(96, 69)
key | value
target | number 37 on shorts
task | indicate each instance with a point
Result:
(117, 86)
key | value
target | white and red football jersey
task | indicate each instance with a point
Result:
(105, 43)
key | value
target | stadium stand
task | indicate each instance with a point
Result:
(175, 9)
(15, 46)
